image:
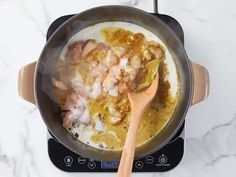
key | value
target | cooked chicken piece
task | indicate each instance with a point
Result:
(118, 51)
(67, 120)
(98, 69)
(159, 53)
(79, 86)
(131, 72)
(109, 81)
(76, 113)
(115, 119)
(58, 84)
(75, 50)
(116, 71)
(83, 101)
(77, 79)
(81, 90)
(66, 72)
(84, 90)
(85, 117)
(76, 100)
(93, 64)
(135, 62)
(153, 51)
(96, 90)
(103, 46)
(147, 55)
(156, 51)
(73, 98)
(67, 106)
(102, 77)
(89, 80)
(113, 91)
(75, 107)
(115, 116)
(70, 103)
(123, 62)
(111, 109)
(110, 59)
(89, 47)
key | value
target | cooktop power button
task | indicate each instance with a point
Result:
(162, 159)
(68, 160)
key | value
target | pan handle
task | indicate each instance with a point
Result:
(201, 83)
(26, 82)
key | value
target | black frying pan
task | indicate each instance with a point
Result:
(193, 78)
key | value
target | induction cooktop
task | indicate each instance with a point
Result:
(163, 160)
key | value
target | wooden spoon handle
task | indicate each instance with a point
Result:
(127, 158)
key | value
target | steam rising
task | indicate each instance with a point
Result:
(58, 49)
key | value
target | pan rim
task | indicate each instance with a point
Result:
(38, 103)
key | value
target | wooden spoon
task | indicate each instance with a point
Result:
(138, 101)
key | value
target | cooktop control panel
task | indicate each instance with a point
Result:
(163, 160)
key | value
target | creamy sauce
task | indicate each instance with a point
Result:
(155, 118)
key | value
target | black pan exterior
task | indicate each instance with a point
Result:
(50, 110)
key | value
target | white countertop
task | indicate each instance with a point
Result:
(210, 40)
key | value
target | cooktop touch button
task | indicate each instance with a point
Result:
(149, 159)
(92, 165)
(81, 160)
(68, 160)
(162, 159)
(139, 164)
